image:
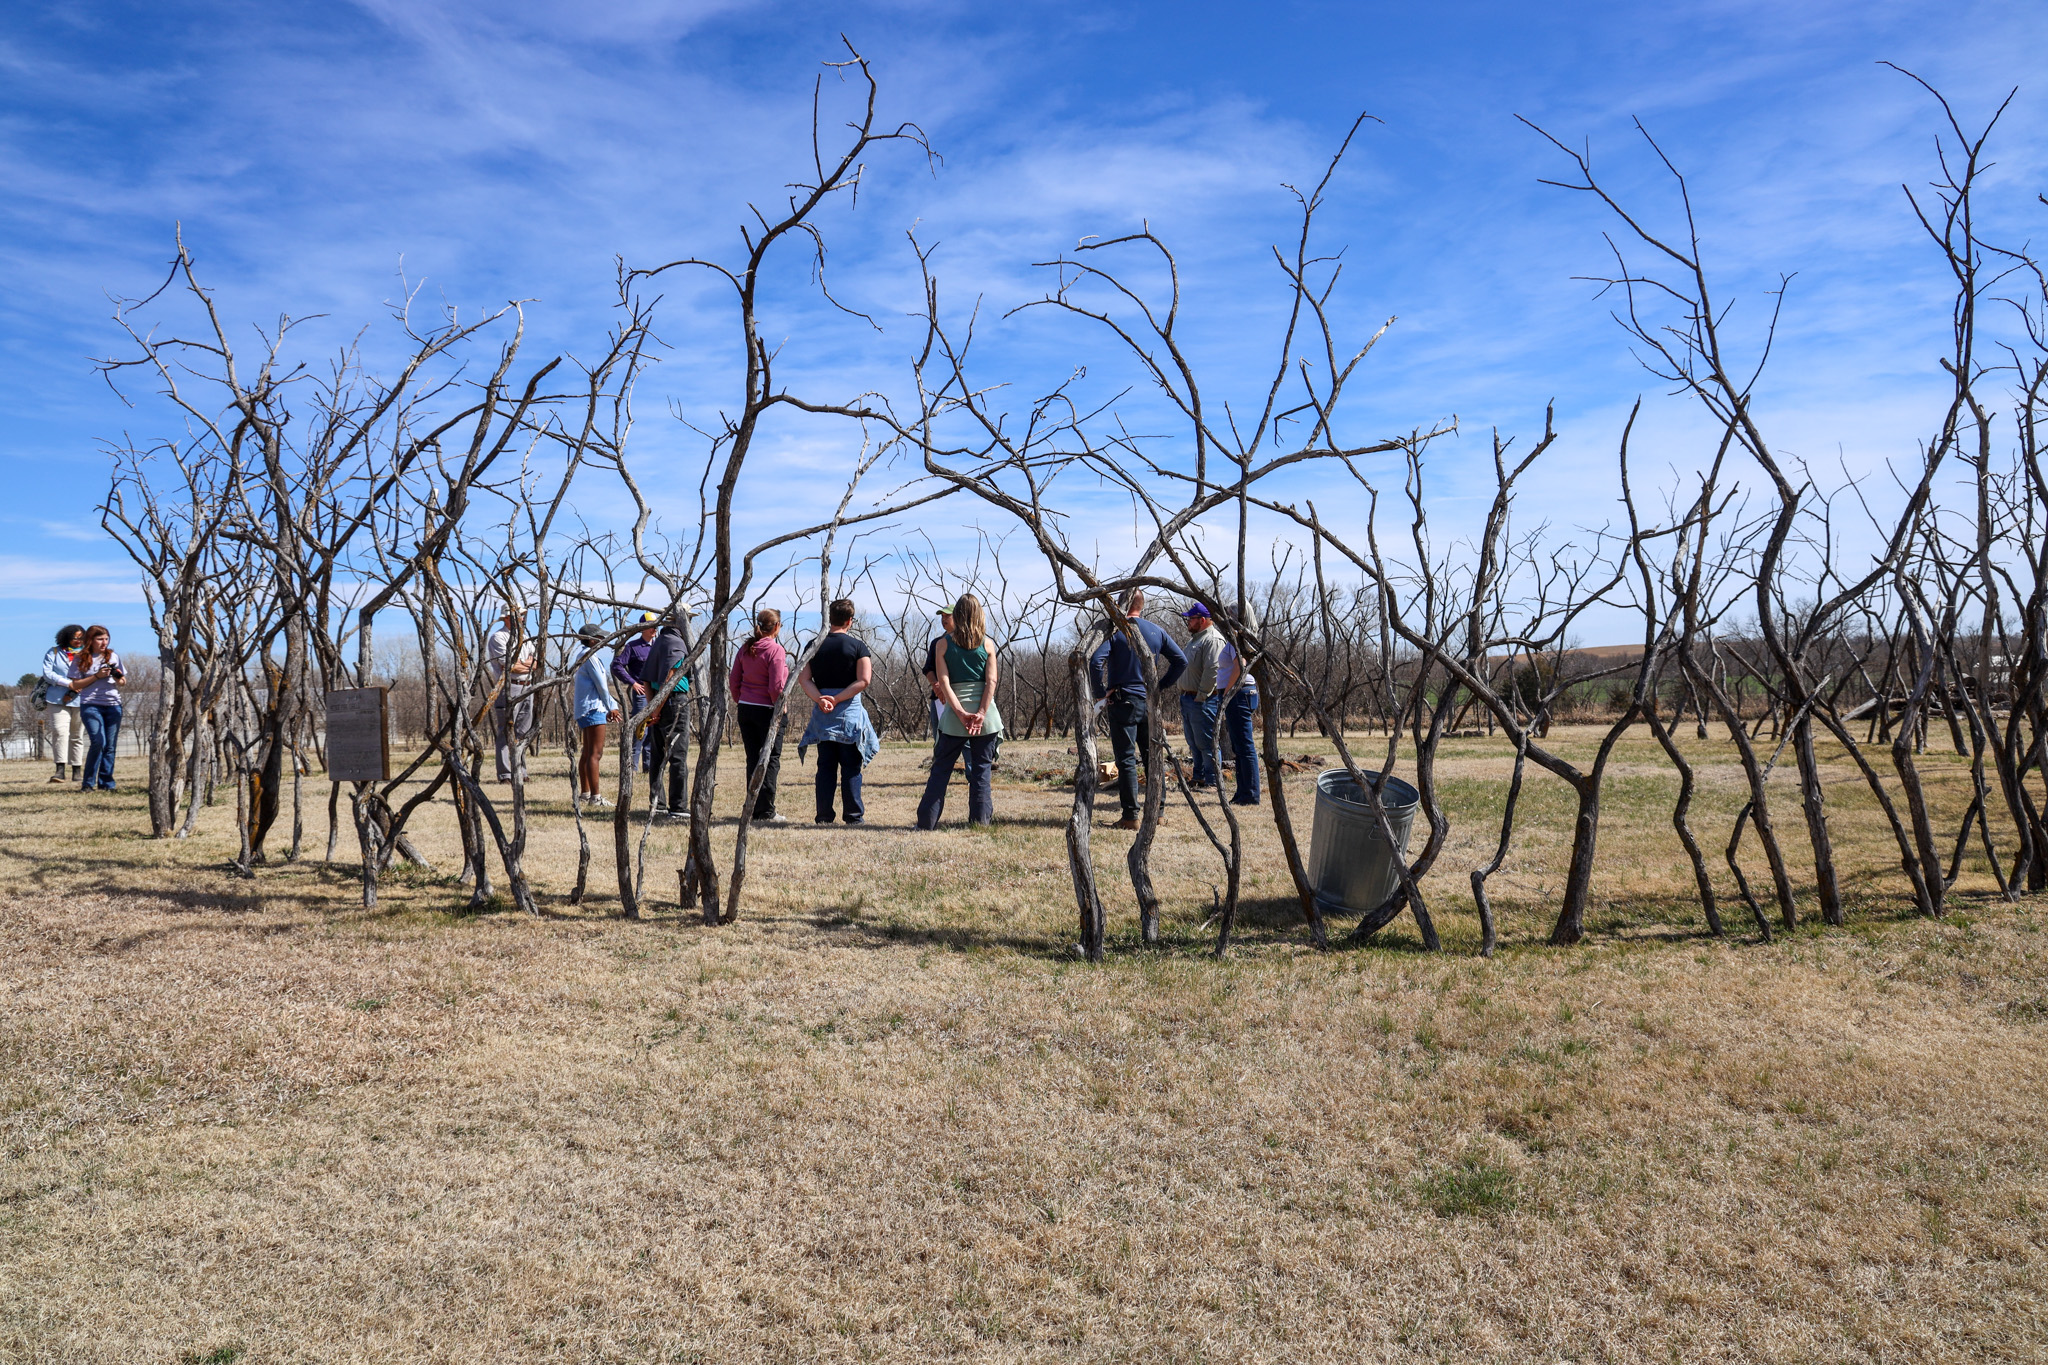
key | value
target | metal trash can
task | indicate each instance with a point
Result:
(1349, 864)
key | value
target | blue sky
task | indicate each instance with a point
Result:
(515, 149)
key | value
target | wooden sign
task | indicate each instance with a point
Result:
(358, 735)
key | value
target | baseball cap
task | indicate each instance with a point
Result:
(1194, 610)
(946, 610)
(650, 618)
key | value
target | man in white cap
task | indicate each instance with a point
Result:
(509, 662)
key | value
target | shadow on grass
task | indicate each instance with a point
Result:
(849, 928)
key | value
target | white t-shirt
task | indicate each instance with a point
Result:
(497, 645)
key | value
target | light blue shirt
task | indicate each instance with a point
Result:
(57, 673)
(593, 691)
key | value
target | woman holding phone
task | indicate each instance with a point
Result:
(96, 676)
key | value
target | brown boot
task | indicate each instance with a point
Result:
(1128, 822)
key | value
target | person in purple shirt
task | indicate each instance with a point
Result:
(626, 665)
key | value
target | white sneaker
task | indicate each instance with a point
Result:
(776, 819)
(596, 803)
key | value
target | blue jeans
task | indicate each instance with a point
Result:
(1198, 723)
(981, 801)
(1237, 723)
(839, 766)
(102, 731)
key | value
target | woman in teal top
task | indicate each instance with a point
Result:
(971, 724)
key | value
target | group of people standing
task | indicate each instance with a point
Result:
(962, 670)
(1202, 678)
(82, 676)
(81, 692)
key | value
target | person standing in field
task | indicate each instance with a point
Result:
(760, 673)
(594, 710)
(1238, 710)
(668, 722)
(837, 673)
(67, 726)
(509, 662)
(97, 675)
(626, 666)
(1117, 675)
(1198, 699)
(931, 667)
(966, 672)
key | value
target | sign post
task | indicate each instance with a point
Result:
(358, 735)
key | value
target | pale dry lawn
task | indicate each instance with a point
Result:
(887, 1116)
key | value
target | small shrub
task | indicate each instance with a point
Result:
(1471, 1188)
(219, 1355)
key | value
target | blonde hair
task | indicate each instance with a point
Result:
(970, 629)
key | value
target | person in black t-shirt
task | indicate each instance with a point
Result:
(834, 678)
(668, 727)
(837, 662)
(931, 666)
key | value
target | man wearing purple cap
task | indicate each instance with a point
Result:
(1198, 699)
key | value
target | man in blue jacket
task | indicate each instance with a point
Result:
(1118, 674)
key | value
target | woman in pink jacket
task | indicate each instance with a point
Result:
(760, 673)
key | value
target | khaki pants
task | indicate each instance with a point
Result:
(513, 726)
(67, 737)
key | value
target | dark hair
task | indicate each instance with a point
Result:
(65, 633)
(766, 622)
(841, 612)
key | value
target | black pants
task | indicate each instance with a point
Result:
(668, 751)
(1130, 739)
(839, 766)
(755, 723)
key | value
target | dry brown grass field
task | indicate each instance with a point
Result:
(887, 1115)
